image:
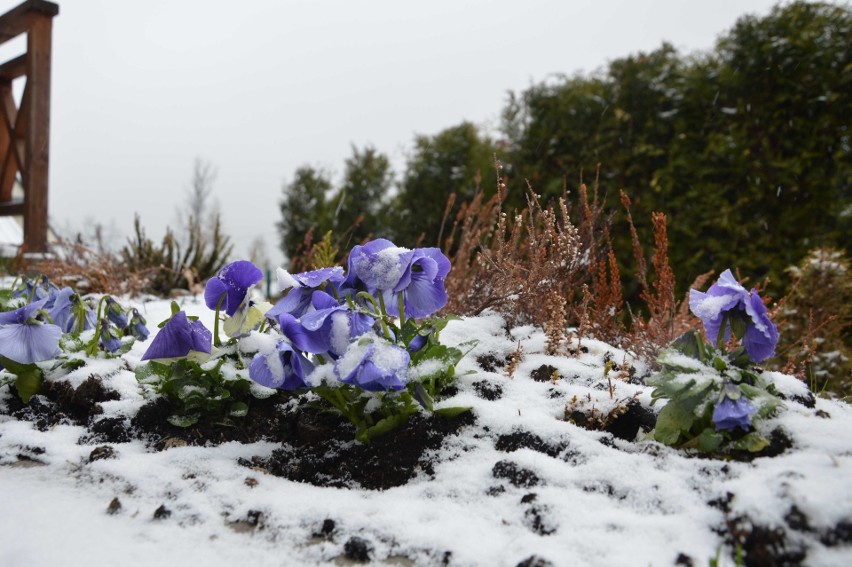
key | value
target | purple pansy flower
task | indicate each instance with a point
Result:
(328, 329)
(37, 289)
(25, 339)
(418, 342)
(109, 337)
(727, 299)
(178, 337)
(377, 265)
(284, 368)
(233, 282)
(374, 365)
(70, 312)
(422, 285)
(733, 410)
(298, 300)
(418, 275)
(115, 313)
(136, 326)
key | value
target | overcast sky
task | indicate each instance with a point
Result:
(260, 87)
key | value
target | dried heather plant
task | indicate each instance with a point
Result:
(85, 269)
(531, 265)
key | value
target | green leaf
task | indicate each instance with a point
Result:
(28, 383)
(73, 364)
(752, 442)
(386, 425)
(183, 420)
(674, 419)
(709, 440)
(28, 377)
(239, 409)
(452, 412)
(690, 344)
(423, 396)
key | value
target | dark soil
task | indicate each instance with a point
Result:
(59, 402)
(515, 474)
(626, 426)
(488, 390)
(490, 363)
(543, 373)
(521, 439)
(264, 421)
(319, 449)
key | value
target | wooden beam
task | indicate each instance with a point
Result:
(12, 141)
(16, 21)
(37, 132)
(14, 68)
(13, 208)
(20, 133)
(7, 107)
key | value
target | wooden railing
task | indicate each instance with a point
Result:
(25, 131)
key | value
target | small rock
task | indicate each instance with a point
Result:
(535, 561)
(517, 475)
(357, 549)
(162, 513)
(327, 528)
(102, 452)
(114, 506)
(527, 498)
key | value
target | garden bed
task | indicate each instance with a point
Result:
(548, 467)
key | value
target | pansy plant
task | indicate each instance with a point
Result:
(714, 397)
(371, 353)
(41, 326)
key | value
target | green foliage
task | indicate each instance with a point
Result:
(692, 378)
(452, 161)
(367, 180)
(744, 146)
(433, 367)
(28, 377)
(312, 206)
(196, 391)
(304, 208)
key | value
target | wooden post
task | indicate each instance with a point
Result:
(25, 131)
(38, 133)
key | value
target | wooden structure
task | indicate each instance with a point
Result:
(25, 131)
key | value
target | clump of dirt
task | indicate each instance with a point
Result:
(515, 474)
(488, 390)
(59, 402)
(623, 421)
(490, 363)
(320, 449)
(544, 373)
(520, 439)
(763, 545)
(536, 516)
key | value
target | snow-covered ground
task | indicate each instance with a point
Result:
(599, 501)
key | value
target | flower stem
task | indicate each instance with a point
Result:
(384, 317)
(401, 310)
(216, 342)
